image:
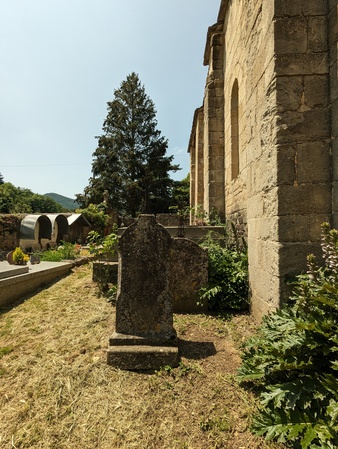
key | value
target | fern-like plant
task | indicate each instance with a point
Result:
(293, 360)
(228, 276)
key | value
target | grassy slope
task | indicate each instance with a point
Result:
(67, 203)
(56, 390)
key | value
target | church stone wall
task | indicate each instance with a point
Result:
(333, 72)
(303, 144)
(273, 143)
(251, 196)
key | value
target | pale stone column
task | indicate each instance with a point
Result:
(192, 151)
(199, 184)
(214, 127)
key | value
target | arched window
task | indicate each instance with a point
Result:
(234, 131)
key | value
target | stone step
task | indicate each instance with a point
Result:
(7, 271)
(118, 339)
(142, 357)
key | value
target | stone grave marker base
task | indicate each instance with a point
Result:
(136, 357)
(132, 352)
(119, 339)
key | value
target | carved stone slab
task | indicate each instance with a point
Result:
(144, 309)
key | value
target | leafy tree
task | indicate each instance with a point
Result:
(96, 216)
(130, 161)
(181, 193)
(18, 200)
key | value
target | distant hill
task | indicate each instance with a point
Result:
(67, 203)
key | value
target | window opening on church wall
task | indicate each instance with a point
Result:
(234, 131)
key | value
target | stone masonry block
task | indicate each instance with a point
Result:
(301, 228)
(301, 126)
(216, 163)
(215, 138)
(259, 307)
(264, 285)
(304, 199)
(334, 81)
(264, 228)
(316, 91)
(289, 92)
(334, 115)
(334, 146)
(217, 53)
(317, 34)
(293, 256)
(333, 25)
(313, 162)
(335, 196)
(291, 35)
(286, 156)
(295, 8)
(218, 64)
(216, 176)
(270, 202)
(216, 189)
(212, 114)
(264, 175)
(216, 102)
(333, 53)
(217, 123)
(257, 252)
(255, 206)
(217, 40)
(302, 64)
(332, 4)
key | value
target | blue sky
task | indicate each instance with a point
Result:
(60, 63)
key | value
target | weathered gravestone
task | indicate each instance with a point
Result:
(145, 337)
(189, 273)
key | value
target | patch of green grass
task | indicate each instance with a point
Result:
(5, 328)
(81, 274)
(219, 424)
(5, 350)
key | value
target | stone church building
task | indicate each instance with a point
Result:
(264, 146)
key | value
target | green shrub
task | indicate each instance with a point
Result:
(293, 361)
(103, 249)
(19, 257)
(66, 251)
(228, 284)
(96, 216)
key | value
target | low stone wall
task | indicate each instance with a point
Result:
(171, 220)
(18, 287)
(10, 231)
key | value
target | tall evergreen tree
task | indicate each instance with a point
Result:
(130, 162)
(1, 179)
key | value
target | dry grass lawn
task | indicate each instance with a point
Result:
(56, 390)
